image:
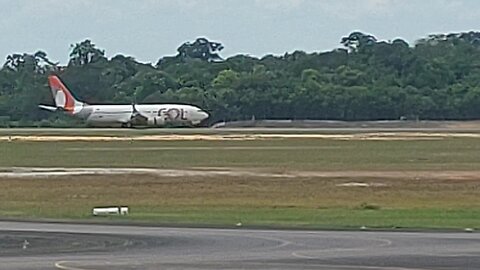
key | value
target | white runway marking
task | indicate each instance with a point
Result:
(62, 265)
(39, 172)
(201, 148)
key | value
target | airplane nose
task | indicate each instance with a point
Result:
(205, 115)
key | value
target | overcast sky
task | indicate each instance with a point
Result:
(150, 29)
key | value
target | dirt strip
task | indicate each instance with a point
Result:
(34, 172)
(244, 137)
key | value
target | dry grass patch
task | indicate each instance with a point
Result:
(219, 200)
(290, 181)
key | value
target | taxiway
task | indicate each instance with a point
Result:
(28, 245)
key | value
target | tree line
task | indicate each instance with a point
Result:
(436, 78)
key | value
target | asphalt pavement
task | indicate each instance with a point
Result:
(29, 245)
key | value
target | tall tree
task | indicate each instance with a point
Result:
(202, 49)
(357, 40)
(84, 53)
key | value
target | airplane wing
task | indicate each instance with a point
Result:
(137, 117)
(48, 108)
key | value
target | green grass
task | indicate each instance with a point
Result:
(301, 203)
(320, 218)
(291, 217)
(312, 154)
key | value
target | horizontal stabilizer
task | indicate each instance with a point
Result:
(48, 108)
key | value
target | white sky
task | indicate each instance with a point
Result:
(150, 29)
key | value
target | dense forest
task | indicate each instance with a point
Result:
(437, 78)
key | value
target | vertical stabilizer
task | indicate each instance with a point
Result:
(64, 100)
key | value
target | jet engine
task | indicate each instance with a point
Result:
(156, 121)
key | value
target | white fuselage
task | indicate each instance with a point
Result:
(147, 115)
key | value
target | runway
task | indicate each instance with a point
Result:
(76, 247)
(445, 127)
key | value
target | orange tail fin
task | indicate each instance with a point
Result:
(63, 98)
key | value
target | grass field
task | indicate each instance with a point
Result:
(414, 183)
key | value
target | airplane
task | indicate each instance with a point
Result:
(134, 115)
